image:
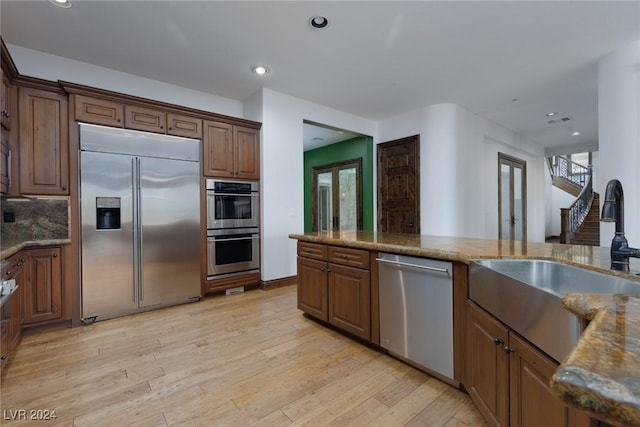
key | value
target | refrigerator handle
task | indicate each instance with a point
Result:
(140, 268)
(135, 188)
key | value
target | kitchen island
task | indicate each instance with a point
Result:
(602, 374)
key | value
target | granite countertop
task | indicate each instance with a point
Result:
(602, 373)
(12, 247)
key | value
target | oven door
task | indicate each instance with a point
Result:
(232, 251)
(232, 210)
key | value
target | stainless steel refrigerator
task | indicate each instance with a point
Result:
(140, 215)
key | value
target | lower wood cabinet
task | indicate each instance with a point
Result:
(43, 285)
(508, 378)
(331, 289)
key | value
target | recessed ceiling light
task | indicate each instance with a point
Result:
(61, 3)
(576, 133)
(551, 114)
(260, 70)
(318, 22)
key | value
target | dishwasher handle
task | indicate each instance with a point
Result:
(406, 264)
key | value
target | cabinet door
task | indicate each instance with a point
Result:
(217, 143)
(17, 312)
(5, 161)
(247, 146)
(312, 288)
(186, 126)
(531, 402)
(43, 286)
(349, 300)
(145, 119)
(44, 142)
(488, 365)
(5, 110)
(98, 111)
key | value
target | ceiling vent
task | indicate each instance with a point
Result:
(559, 120)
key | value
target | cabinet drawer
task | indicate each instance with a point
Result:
(186, 126)
(347, 256)
(312, 250)
(145, 119)
(98, 111)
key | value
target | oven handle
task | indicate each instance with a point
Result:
(217, 238)
(218, 193)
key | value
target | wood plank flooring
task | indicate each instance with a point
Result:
(249, 359)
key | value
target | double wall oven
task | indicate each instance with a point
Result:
(233, 242)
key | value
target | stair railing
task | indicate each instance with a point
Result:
(571, 171)
(573, 216)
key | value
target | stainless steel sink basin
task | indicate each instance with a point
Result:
(526, 295)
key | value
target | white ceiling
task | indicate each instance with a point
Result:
(374, 60)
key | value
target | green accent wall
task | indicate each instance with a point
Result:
(361, 147)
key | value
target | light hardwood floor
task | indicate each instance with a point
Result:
(248, 359)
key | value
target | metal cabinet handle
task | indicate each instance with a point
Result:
(5, 113)
(508, 349)
(3, 357)
(55, 255)
(498, 341)
(345, 257)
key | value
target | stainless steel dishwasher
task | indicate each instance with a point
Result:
(416, 312)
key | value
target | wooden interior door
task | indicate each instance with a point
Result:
(399, 185)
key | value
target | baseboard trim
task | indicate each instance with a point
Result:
(278, 283)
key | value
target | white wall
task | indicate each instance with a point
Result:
(459, 167)
(282, 173)
(50, 67)
(619, 135)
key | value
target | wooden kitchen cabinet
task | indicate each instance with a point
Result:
(43, 285)
(145, 119)
(508, 378)
(98, 111)
(44, 142)
(331, 289)
(8, 109)
(115, 114)
(231, 151)
(5, 162)
(12, 313)
(6, 114)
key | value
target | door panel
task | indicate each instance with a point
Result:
(107, 255)
(399, 186)
(337, 198)
(512, 198)
(170, 230)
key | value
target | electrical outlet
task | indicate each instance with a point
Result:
(8, 216)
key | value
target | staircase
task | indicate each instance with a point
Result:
(588, 233)
(580, 223)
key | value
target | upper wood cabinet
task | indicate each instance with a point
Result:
(5, 109)
(44, 142)
(181, 125)
(145, 119)
(231, 151)
(115, 114)
(98, 111)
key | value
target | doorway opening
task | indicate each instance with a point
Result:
(512, 198)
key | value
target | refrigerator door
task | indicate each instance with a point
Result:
(170, 230)
(107, 253)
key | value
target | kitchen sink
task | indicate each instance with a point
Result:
(526, 295)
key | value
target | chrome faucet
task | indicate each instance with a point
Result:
(613, 211)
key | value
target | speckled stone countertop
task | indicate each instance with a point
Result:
(602, 373)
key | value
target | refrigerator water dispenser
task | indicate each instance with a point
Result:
(107, 213)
